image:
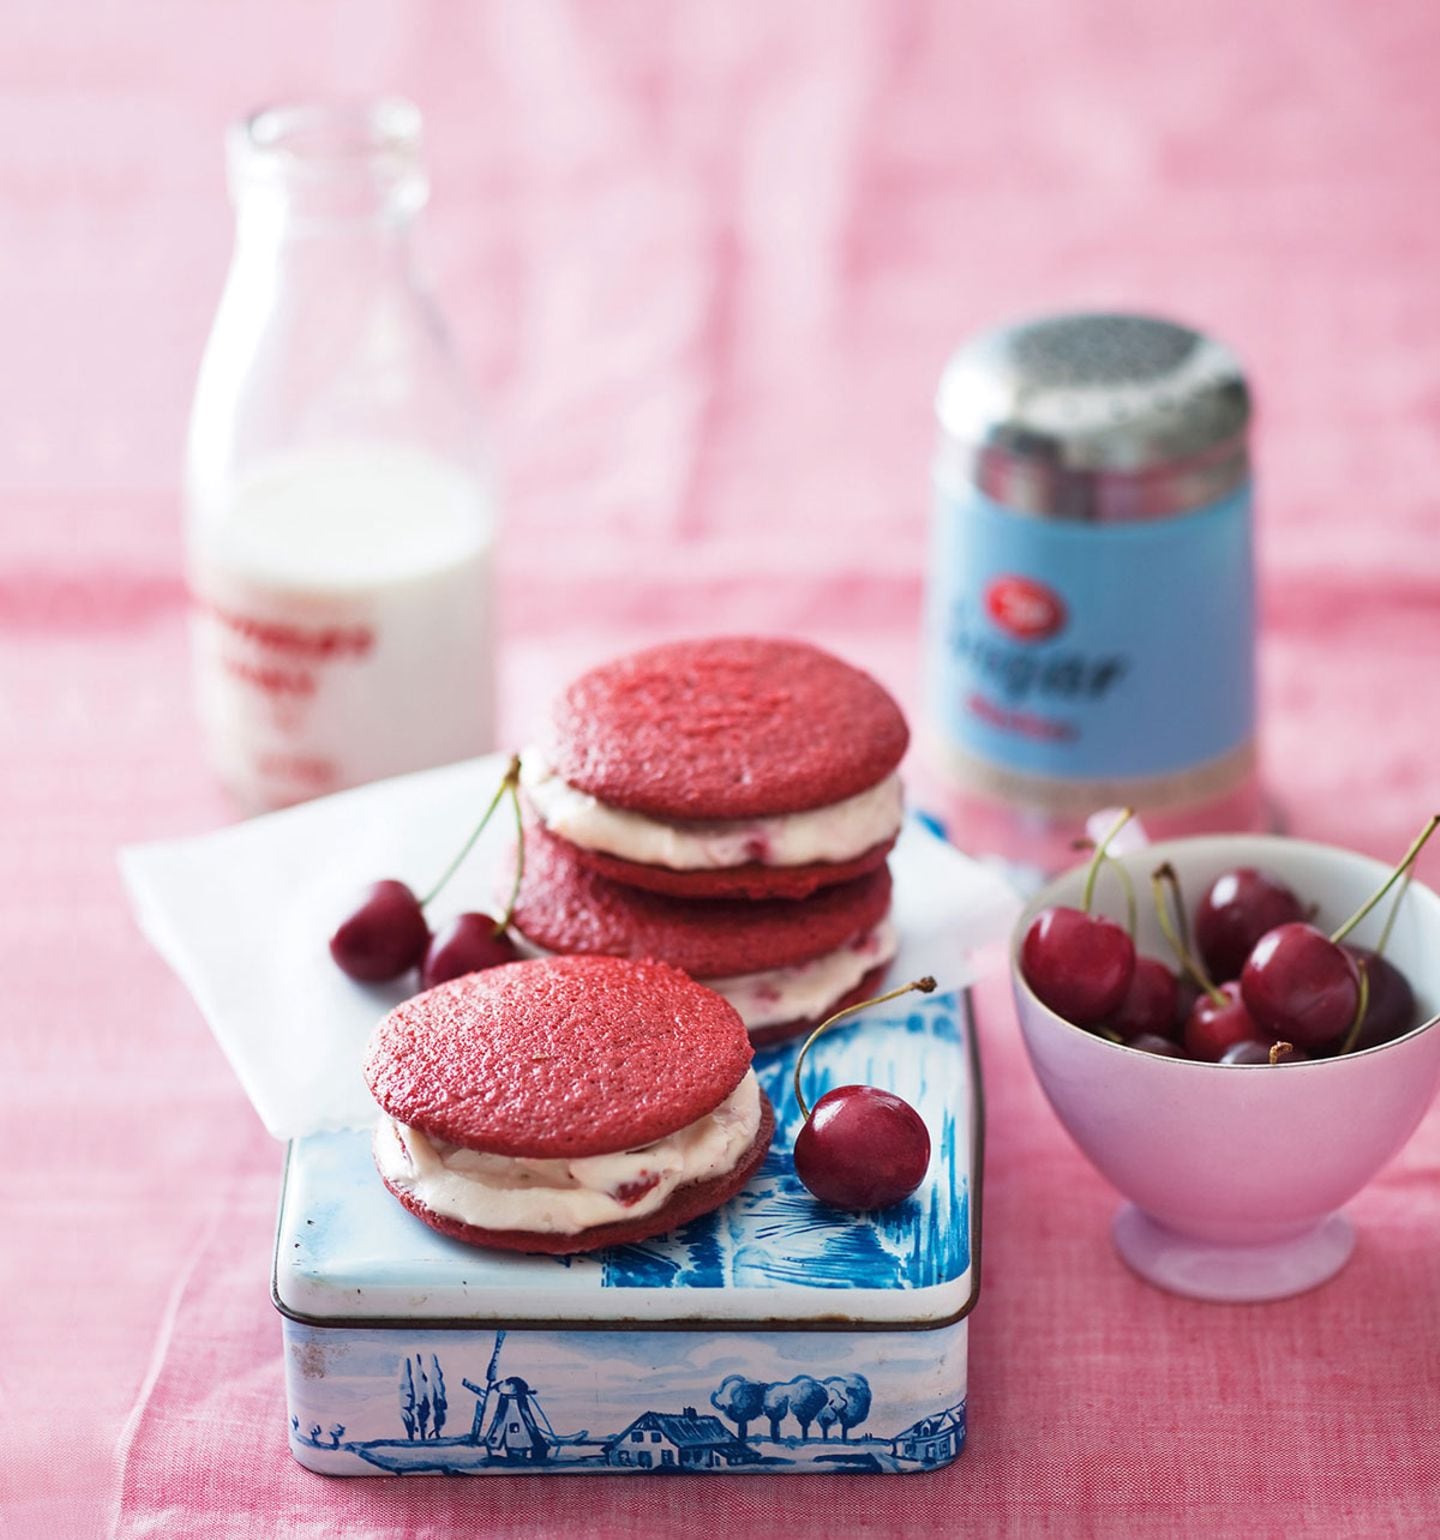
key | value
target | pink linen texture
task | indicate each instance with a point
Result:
(704, 263)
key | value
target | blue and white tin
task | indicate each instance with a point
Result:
(774, 1335)
(1090, 620)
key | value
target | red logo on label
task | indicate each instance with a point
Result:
(1028, 610)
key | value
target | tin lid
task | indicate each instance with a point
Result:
(1095, 416)
(348, 1255)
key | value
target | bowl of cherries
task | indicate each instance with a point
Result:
(1239, 1031)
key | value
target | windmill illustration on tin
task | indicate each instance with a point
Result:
(519, 1429)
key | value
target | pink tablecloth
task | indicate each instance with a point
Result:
(705, 262)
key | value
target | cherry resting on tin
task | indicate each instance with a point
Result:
(1077, 963)
(387, 935)
(860, 1148)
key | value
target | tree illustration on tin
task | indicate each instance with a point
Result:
(807, 1397)
(336, 1434)
(407, 1400)
(849, 1398)
(423, 1402)
(422, 1395)
(828, 1418)
(776, 1403)
(437, 1396)
(740, 1400)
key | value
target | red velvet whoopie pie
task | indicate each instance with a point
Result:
(565, 1104)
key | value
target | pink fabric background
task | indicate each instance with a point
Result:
(705, 262)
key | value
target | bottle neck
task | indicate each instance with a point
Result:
(278, 232)
(344, 179)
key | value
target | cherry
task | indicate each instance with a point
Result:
(1077, 963)
(1161, 1047)
(859, 1147)
(468, 944)
(1300, 985)
(1390, 1011)
(1237, 909)
(384, 937)
(1255, 1051)
(1150, 1002)
(387, 934)
(1187, 992)
(862, 1148)
(1218, 1022)
(1216, 1019)
(1303, 985)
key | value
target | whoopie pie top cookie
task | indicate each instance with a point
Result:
(732, 765)
(565, 1103)
(780, 963)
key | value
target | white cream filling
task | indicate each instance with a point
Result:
(807, 989)
(564, 1197)
(794, 993)
(838, 832)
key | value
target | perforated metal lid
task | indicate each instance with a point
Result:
(1095, 416)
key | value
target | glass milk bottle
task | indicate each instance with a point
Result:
(340, 522)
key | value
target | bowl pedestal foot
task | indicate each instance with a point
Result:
(1202, 1269)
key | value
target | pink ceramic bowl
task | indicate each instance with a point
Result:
(1235, 1172)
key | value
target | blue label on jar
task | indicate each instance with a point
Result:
(1080, 651)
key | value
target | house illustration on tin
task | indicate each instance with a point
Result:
(663, 1441)
(932, 1440)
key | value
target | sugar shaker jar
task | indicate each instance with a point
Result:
(1090, 627)
(339, 514)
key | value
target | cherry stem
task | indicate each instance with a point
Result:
(1361, 1006)
(507, 783)
(503, 924)
(1407, 861)
(925, 986)
(1400, 893)
(1122, 872)
(1088, 896)
(1164, 882)
(1277, 1049)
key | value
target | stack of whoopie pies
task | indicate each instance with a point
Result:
(727, 806)
(712, 813)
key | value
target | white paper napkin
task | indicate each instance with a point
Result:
(243, 916)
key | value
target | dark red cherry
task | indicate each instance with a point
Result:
(1238, 909)
(1149, 1004)
(385, 937)
(862, 1148)
(468, 944)
(1215, 1026)
(1187, 992)
(1390, 1011)
(1300, 985)
(1161, 1047)
(1254, 1051)
(1078, 964)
